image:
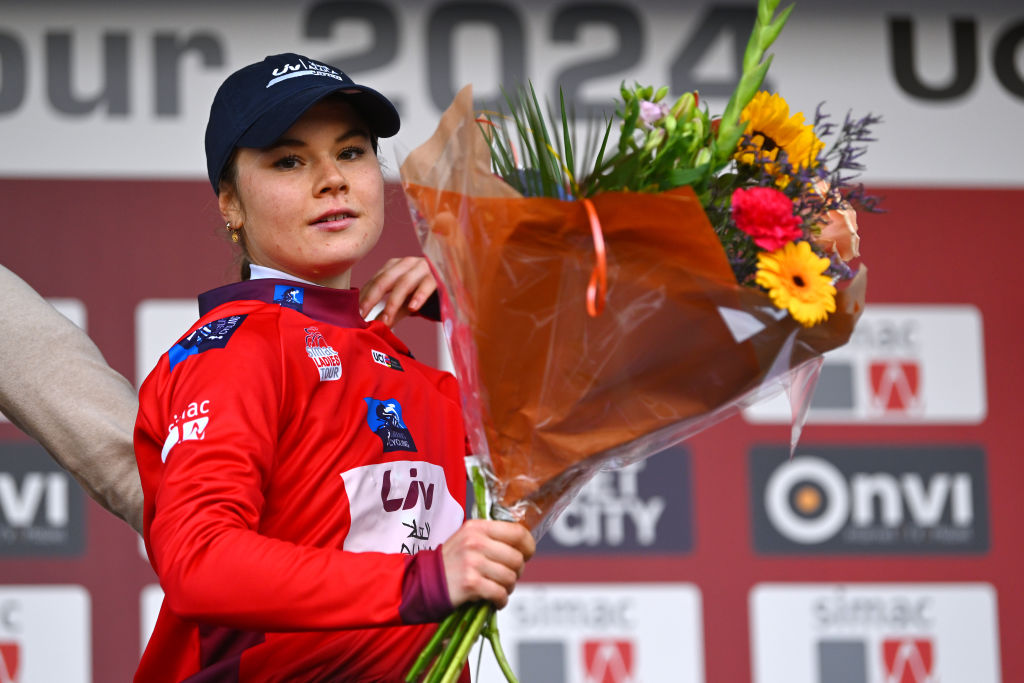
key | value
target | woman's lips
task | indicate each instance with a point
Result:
(335, 220)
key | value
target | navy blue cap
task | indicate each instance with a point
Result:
(258, 103)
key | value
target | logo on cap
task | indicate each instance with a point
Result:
(303, 68)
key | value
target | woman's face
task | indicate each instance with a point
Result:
(311, 204)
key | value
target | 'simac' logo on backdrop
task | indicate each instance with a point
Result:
(920, 364)
(35, 622)
(898, 499)
(874, 633)
(603, 633)
(42, 510)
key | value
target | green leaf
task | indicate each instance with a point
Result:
(685, 176)
(570, 162)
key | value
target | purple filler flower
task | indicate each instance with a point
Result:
(651, 112)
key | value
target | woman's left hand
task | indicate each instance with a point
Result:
(402, 284)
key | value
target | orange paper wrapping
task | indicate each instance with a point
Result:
(552, 394)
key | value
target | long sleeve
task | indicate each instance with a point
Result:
(56, 386)
(237, 530)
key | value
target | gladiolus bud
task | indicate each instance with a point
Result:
(654, 138)
(683, 106)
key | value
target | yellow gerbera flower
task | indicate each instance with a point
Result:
(795, 280)
(771, 129)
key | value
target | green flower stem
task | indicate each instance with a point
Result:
(479, 492)
(766, 30)
(432, 647)
(479, 616)
(491, 632)
(466, 613)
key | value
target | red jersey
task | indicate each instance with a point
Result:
(300, 469)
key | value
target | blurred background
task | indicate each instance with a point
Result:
(887, 551)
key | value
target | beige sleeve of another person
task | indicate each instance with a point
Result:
(56, 386)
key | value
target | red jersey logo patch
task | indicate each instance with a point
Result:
(384, 419)
(325, 358)
(381, 358)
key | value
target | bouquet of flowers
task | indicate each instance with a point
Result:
(603, 304)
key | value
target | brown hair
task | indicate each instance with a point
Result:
(229, 180)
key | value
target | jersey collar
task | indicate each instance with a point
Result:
(335, 306)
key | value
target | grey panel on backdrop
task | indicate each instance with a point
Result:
(540, 660)
(42, 509)
(842, 661)
(835, 387)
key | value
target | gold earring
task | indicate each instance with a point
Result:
(234, 233)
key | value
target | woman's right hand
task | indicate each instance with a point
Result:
(403, 285)
(484, 559)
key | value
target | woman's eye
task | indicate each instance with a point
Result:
(351, 153)
(288, 162)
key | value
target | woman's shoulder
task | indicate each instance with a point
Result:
(244, 317)
(233, 326)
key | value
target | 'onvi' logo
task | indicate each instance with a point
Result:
(914, 499)
(807, 501)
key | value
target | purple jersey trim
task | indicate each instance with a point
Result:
(335, 306)
(425, 598)
(220, 653)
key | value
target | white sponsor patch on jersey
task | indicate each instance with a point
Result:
(399, 507)
(190, 425)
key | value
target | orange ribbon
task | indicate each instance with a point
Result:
(599, 276)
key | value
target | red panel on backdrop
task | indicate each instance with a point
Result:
(112, 244)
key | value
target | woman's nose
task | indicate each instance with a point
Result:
(331, 178)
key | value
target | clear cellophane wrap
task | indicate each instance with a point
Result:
(553, 394)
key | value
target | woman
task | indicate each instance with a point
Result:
(301, 470)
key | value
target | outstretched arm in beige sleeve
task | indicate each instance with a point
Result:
(56, 386)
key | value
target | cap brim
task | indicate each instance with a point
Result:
(377, 112)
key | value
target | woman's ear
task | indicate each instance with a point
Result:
(230, 206)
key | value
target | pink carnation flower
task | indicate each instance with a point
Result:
(766, 215)
(650, 112)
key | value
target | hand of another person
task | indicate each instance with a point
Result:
(484, 559)
(402, 284)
